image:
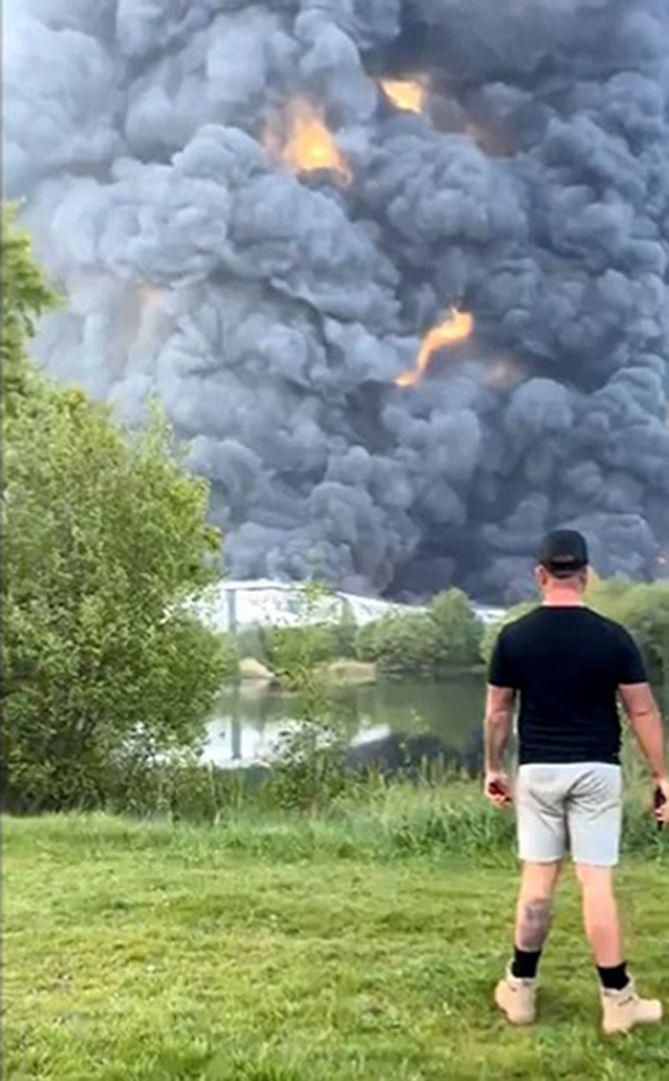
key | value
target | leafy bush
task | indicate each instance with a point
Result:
(423, 645)
(459, 628)
(309, 767)
(289, 649)
(403, 645)
(322, 642)
(342, 636)
(106, 545)
(368, 641)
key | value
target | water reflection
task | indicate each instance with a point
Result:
(250, 718)
(389, 723)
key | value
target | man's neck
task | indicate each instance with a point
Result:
(563, 598)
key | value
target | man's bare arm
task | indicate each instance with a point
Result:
(644, 714)
(498, 722)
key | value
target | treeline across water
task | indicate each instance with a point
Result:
(449, 635)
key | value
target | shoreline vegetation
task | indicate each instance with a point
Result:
(447, 640)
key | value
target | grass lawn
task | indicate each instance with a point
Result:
(152, 952)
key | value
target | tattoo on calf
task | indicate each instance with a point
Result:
(535, 924)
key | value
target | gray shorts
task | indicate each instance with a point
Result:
(573, 807)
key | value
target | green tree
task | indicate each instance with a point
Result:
(25, 296)
(105, 666)
(288, 648)
(423, 645)
(403, 646)
(459, 628)
(309, 768)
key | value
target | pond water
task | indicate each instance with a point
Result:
(250, 717)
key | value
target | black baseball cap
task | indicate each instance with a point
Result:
(564, 550)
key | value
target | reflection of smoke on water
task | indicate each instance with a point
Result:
(377, 750)
(415, 756)
(272, 305)
(251, 718)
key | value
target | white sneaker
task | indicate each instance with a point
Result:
(622, 1010)
(517, 998)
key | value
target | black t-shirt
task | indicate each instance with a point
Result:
(567, 664)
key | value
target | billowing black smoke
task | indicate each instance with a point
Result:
(272, 309)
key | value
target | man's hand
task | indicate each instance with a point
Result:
(498, 788)
(661, 787)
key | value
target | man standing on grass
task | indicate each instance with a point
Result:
(567, 664)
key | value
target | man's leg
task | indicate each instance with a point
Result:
(595, 820)
(533, 915)
(622, 1007)
(542, 844)
(600, 916)
(516, 993)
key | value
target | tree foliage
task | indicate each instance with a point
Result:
(459, 629)
(423, 645)
(106, 544)
(309, 766)
(25, 296)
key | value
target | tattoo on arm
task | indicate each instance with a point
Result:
(498, 722)
(495, 745)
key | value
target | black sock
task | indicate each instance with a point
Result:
(614, 979)
(525, 963)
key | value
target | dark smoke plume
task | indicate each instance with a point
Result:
(272, 310)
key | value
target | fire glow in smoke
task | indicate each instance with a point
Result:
(406, 94)
(257, 210)
(310, 145)
(456, 327)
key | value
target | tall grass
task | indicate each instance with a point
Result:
(380, 822)
(441, 810)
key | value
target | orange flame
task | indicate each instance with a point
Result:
(407, 94)
(310, 145)
(455, 328)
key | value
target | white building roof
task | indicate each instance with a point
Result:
(234, 603)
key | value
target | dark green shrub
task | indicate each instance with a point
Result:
(459, 628)
(292, 650)
(368, 641)
(106, 546)
(342, 637)
(423, 645)
(309, 769)
(403, 646)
